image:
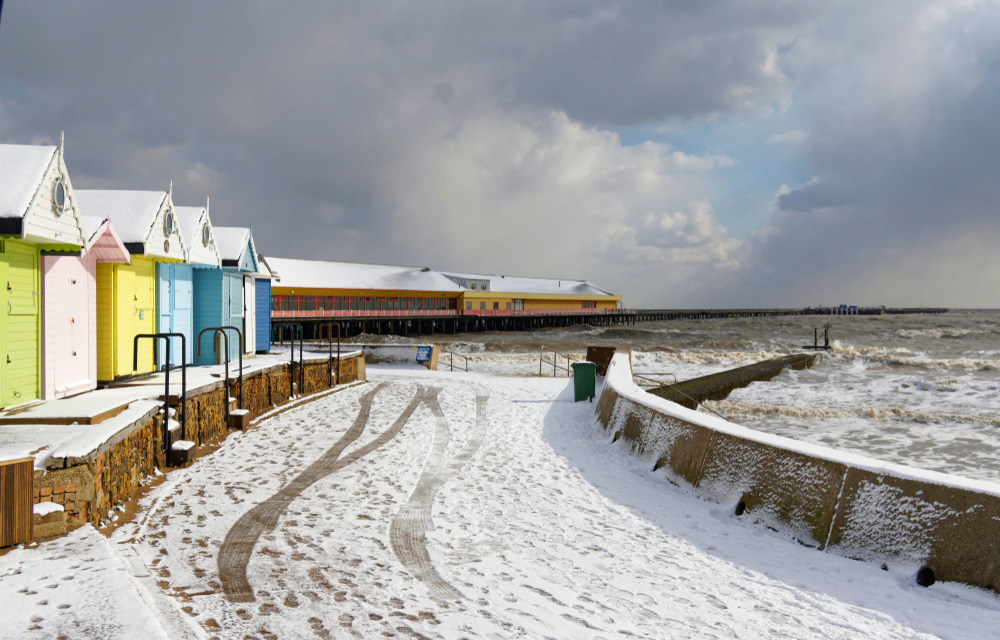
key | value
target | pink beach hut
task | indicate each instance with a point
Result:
(69, 320)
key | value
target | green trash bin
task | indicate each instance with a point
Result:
(584, 380)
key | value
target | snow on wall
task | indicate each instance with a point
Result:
(856, 506)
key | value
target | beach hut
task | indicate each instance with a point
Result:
(218, 297)
(38, 212)
(262, 294)
(239, 257)
(69, 318)
(127, 293)
(177, 280)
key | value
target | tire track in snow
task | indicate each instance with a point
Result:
(237, 548)
(408, 529)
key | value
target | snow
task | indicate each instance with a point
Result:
(316, 274)
(232, 242)
(182, 445)
(45, 508)
(22, 167)
(79, 586)
(494, 507)
(524, 284)
(132, 212)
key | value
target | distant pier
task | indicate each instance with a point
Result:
(449, 322)
(648, 315)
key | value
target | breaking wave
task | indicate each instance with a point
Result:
(739, 412)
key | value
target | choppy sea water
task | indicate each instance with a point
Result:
(919, 390)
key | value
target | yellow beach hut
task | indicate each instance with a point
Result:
(126, 293)
(38, 213)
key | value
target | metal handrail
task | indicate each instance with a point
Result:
(225, 340)
(329, 326)
(697, 403)
(643, 375)
(555, 361)
(166, 379)
(292, 326)
(239, 334)
(451, 359)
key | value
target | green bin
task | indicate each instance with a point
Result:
(584, 380)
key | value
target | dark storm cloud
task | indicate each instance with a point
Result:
(411, 132)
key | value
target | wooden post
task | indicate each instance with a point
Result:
(16, 501)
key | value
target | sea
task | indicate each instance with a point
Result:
(921, 390)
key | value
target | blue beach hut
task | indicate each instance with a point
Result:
(262, 293)
(218, 294)
(178, 280)
(239, 259)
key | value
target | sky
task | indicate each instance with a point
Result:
(680, 154)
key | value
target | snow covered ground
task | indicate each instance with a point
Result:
(450, 505)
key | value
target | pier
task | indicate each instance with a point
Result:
(402, 323)
(649, 315)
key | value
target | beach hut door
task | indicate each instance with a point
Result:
(4, 322)
(20, 282)
(165, 306)
(249, 304)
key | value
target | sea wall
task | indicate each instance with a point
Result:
(90, 485)
(851, 505)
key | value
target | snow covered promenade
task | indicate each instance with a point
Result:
(442, 505)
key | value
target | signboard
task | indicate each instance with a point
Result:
(423, 354)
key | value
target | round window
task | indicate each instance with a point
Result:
(59, 197)
(168, 223)
(206, 235)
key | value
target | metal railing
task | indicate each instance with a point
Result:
(555, 361)
(644, 376)
(451, 359)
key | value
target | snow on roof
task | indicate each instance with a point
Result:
(264, 269)
(22, 167)
(524, 284)
(232, 241)
(316, 274)
(187, 218)
(132, 212)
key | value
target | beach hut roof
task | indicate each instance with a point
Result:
(194, 225)
(22, 168)
(145, 220)
(133, 212)
(316, 274)
(237, 248)
(103, 241)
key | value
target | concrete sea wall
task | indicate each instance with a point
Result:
(89, 486)
(850, 505)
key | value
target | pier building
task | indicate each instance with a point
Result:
(398, 299)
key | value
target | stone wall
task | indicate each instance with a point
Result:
(111, 475)
(851, 505)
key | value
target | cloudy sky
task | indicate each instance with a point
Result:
(682, 154)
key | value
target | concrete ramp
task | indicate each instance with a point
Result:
(691, 393)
